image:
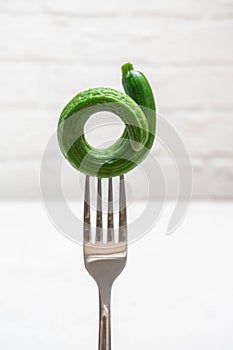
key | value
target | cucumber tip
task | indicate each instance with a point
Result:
(125, 68)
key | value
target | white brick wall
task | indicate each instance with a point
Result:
(50, 50)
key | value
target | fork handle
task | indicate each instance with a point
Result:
(105, 319)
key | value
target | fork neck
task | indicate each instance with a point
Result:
(105, 318)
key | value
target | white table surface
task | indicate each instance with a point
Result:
(176, 292)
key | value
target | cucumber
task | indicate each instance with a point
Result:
(136, 109)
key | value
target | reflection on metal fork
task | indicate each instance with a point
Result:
(105, 261)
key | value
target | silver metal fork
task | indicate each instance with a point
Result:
(105, 261)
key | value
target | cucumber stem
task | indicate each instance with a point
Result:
(126, 68)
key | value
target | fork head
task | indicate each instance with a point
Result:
(105, 260)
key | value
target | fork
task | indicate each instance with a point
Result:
(105, 261)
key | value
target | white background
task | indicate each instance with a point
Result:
(176, 291)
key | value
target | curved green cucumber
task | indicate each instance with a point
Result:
(136, 109)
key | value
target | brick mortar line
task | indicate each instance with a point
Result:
(45, 108)
(51, 61)
(134, 14)
(38, 157)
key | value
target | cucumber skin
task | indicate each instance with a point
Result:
(138, 88)
(136, 109)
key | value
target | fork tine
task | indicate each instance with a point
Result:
(99, 225)
(122, 212)
(110, 231)
(87, 214)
